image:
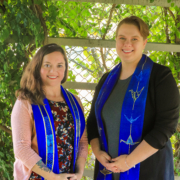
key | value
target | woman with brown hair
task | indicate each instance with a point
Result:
(134, 112)
(48, 125)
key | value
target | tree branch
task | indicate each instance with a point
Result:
(95, 56)
(2, 6)
(171, 13)
(6, 129)
(84, 67)
(178, 127)
(109, 20)
(43, 23)
(67, 25)
(38, 11)
(166, 26)
(106, 54)
(104, 35)
(31, 48)
(103, 59)
(177, 39)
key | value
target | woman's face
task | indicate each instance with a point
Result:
(129, 44)
(52, 69)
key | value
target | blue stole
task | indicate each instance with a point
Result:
(45, 131)
(132, 114)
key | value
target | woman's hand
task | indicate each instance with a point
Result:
(105, 160)
(121, 163)
(102, 156)
(78, 176)
(75, 176)
(63, 176)
(140, 153)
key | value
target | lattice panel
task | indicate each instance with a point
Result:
(99, 20)
(89, 64)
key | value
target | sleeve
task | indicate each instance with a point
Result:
(167, 110)
(22, 132)
(83, 146)
(92, 129)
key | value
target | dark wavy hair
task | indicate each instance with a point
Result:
(31, 83)
(138, 22)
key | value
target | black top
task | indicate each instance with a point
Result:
(160, 121)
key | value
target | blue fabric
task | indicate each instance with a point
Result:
(45, 131)
(132, 114)
(79, 121)
(40, 132)
(46, 137)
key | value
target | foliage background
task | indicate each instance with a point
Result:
(25, 26)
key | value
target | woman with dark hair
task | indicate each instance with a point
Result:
(48, 124)
(134, 112)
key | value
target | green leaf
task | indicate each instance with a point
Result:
(178, 24)
(18, 17)
(5, 112)
(5, 34)
(1, 154)
(1, 22)
(15, 37)
(37, 2)
(5, 3)
(177, 33)
(26, 39)
(177, 8)
(18, 30)
(151, 1)
(103, 30)
(172, 4)
(168, 1)
(25, 22)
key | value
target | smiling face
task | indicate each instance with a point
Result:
(129, 44)
(52, 69)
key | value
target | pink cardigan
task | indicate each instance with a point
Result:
(25, 140)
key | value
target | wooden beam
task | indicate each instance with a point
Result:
(162, 3)
(163, 47)
(79, 85)
(83, 85)
(111, 44)
(106, 43)
(83, 42)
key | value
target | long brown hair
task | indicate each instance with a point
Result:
(31, 83)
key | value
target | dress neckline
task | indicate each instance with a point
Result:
(51, 101)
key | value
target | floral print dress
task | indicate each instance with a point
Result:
(64, 127)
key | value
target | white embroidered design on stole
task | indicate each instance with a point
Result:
(105, 172)
(135, 95)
